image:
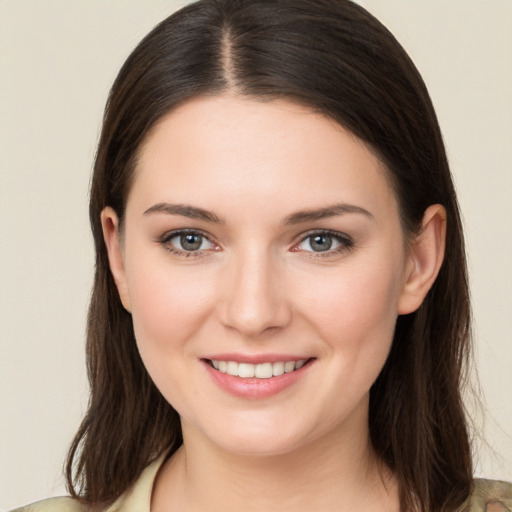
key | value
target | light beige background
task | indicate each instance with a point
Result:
(57, 61)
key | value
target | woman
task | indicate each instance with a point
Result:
(280, 313)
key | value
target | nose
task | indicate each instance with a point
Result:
(254, 299)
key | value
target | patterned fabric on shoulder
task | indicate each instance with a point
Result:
(491, 496)
(61, 504)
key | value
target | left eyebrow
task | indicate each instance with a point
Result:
(325, 213)
(185, 210)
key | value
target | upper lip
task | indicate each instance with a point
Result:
(256, 358)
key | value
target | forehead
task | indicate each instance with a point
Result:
(238, 149)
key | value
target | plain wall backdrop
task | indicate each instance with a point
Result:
(58, 59)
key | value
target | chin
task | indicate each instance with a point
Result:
(264, 439)
(261, 446)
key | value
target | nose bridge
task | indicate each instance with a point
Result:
(254, 301)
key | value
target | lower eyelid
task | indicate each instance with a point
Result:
(203, 239)
(345, 241)
(165, 241)
(331, 253)
(166, 237)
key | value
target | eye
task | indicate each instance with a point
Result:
(324, 242)
(187, 242)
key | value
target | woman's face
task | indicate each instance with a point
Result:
(260, 237)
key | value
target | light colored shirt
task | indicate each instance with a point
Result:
(135, 499)
(488, 496)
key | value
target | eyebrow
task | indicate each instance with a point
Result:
(325, 213)
(192, 212)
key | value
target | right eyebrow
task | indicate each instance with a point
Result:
(325, 213)
(192, 212)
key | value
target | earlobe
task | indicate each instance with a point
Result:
(424, 260)
(111, 235)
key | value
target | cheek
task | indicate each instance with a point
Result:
(357, 307)
(356, 320)
(168, 303)
(168, 306)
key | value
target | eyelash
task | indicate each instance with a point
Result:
(346, 243)
(167, 237)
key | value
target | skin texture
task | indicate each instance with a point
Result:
(257, 287)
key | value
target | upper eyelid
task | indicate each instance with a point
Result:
(298, 239)
(164, 241)
(176, 232)
(346, 244)
(336, 234)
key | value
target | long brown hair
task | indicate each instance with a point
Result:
(337, 59)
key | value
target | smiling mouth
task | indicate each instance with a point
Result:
(258, 371)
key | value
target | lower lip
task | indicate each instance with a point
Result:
(255, 388)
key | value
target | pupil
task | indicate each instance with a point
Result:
(191, 242)
(321, 243)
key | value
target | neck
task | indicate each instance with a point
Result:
(335, 472)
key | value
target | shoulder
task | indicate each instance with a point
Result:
(136, 499)
(491, 496)
(62, 504)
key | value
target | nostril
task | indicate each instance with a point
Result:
(252, 300)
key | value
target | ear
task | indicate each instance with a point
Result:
(424, 260)
(111, 235)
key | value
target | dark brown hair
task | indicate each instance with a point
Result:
(337, 59)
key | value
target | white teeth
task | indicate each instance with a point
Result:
(232, 368)
(246, 370)
(263, 371)
(277, 369)
(289, 366)
(260, 371)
